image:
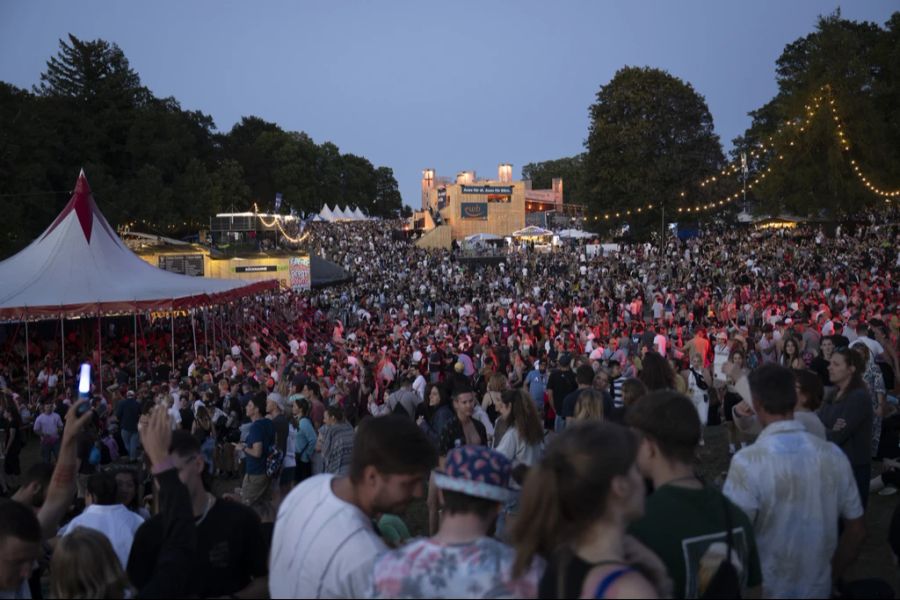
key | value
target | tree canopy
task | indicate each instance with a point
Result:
(857, 66)
(154, 163)
(650, 137)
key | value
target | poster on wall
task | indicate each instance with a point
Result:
(300, 276)
(473, 210)
(183, 264)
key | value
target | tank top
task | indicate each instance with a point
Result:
(573, 571)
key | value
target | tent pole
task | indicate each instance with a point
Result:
(172, 323)
(194, 333)
(27, 360)
(135, 352)
(215, 348)
(99, 353)
(62, 328)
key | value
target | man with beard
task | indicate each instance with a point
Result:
(324, 537)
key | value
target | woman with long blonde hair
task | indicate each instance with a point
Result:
(84, 565)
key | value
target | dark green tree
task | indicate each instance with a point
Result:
(854, 64)
(570, 169)
(152, 162)
(229, 188)
(387, 198)
(650, 137)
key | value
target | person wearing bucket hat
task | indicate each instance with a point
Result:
(461, 560)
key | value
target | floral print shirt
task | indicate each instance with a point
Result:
(426, 569)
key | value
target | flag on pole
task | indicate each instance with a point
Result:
(744, 168)
(277, 201)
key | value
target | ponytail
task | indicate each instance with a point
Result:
(566, 492)
(537, 524)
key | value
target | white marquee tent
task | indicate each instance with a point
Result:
(79, 266)
(326, 214)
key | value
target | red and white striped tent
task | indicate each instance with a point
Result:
(79, 267)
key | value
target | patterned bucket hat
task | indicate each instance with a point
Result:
(476, 471)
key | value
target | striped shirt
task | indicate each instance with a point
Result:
(322, 547)
(615, 390)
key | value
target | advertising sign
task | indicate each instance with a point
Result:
(473, 210)
(256, 269)
(300, 275)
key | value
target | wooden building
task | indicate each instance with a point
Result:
(467, 205)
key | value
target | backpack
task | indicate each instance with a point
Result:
(726, 582)
(399, 409)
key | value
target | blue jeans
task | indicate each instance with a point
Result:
(131, 439)
(48, 452)
(208, 448)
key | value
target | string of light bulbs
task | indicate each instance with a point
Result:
(801, 126)
(277, 222)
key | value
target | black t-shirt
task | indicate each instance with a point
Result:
(230, 551)
(280, 423)
(129, 413)
(161, 372)
(187, 418)
(561, 383)
(820, 366)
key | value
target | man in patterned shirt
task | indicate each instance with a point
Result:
(461, 560)
(795, 487)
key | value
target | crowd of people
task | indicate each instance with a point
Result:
(541, 416)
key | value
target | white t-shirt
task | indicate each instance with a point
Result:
(516, 450)
(322, 546)
(792, 485)
(661, 342)
(114, 521)
(419, 386)
(875, 349)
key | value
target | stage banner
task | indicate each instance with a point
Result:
(473, 210)
(300, 276)
(502, 190)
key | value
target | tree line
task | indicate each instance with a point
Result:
(152, 163)
(651, 137)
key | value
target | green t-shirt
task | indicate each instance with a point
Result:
(686, 529)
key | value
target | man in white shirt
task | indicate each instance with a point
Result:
(875, 348)
(324, 542)
(105, 515)
(660, 341)
(795, 487)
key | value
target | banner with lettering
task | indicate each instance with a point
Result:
(300, 275)
(473, 210)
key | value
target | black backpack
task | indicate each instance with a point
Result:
(399, 409)
(726, 583)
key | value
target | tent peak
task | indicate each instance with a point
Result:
(83, 205)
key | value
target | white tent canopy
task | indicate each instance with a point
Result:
(532, 231)
(575, 233)
(79, 266)
(326, 214)
(359, 214)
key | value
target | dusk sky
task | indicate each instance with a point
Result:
(409, 85)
